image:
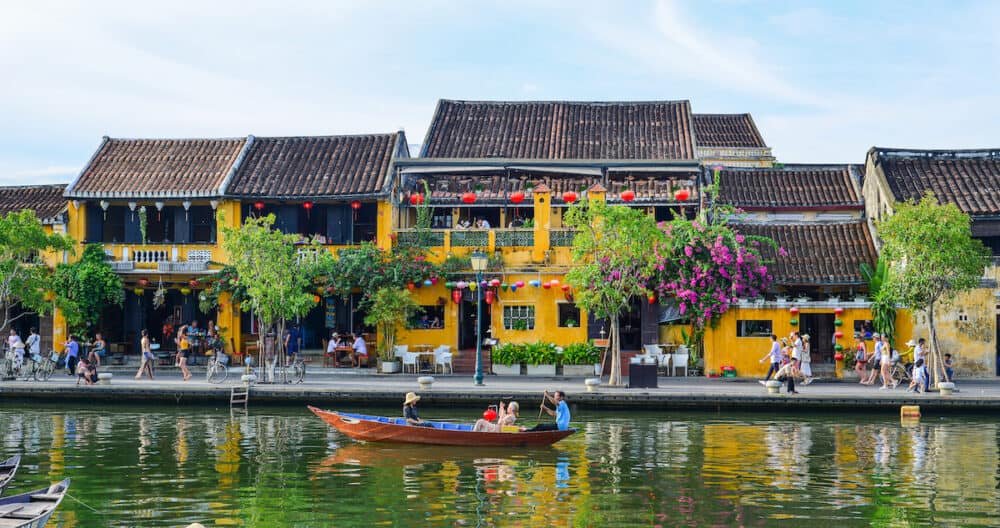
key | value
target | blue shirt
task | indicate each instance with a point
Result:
(294, 336)
(775, 352)
(72, 349)
(562, 416)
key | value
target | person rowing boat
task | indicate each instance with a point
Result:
(561, 412)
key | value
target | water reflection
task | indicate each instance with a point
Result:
(172, 466)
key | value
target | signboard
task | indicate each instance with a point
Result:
(331, 313)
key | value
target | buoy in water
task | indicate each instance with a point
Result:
(909, 411)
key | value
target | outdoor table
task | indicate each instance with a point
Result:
(425, 355)
(340, 353)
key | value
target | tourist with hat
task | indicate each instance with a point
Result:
(410, 411)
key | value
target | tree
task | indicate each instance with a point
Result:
(369, 269)
(707, 267)
(883, 305)
(24, 277)
(614, 247)
(84, 288)
(932, 257)
(276, 276)
(390, 309)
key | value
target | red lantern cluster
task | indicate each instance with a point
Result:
(469, 198)
(569, 196)
(628, 195)
(681, 195)
(416, 199)
(517, 197)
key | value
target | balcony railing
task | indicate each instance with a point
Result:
(561, 237)
(164, 259)
(412, 237)
(470, 238)
(514, 237)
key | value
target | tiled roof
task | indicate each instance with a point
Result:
(316, 166)
(790, 187)
(46, 200)
(818, 254)
(495, 188)
(727, 130)
(561, 130)
(169, 168)
(969, 179)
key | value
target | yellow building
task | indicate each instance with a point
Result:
(970, 328)
(50, 207)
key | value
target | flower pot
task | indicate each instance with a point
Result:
(389, 367)
(541, 370)
(507, 370)
(578, 370)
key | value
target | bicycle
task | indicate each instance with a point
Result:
(294, 372)
(216, 370)
(899, 374)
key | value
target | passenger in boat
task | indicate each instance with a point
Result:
(561, 412)
(507, 416)
(410, 411)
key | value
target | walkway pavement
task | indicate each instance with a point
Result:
(353, 387)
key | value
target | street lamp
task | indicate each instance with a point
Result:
(479, 261)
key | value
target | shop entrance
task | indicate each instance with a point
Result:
(467, 322)
(820, 330)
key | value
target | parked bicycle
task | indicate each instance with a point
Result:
(294, 372)
(38, 367)
(216, 370)
(899, 373)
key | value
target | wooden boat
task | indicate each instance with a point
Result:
(8, 468)
(382, 429)
(32, 509)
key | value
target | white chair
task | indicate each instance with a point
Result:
(399, 350)
(654, 352)
(442, 358)
(680, 361)
(411, 359)
(664, 363)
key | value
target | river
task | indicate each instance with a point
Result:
(168, 466)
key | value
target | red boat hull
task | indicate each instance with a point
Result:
(375, 431)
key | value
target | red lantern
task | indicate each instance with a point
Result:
(490, 296)
(416, 199)
(682, 195)
(143, 282)
(355, 205)
(565, 287)
(316, 299)
(569, 197)
(651, 299)
(489, 415)
(258, 206)
(469, 198)
(307, 205)
(495, 282)
(546, 285)
(838, 357)
(838, 311)
(794, 310)
(456, 295)
(517, 197)
(838, 334)
(193, 283)
(411, 286)
(628, 195)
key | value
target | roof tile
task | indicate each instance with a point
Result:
(970, 179)
(818, 253)
(46, 200)
(727, 130)
(791, 186)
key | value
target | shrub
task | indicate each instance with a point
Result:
(581, 354)
(539, 353)
(508, 354)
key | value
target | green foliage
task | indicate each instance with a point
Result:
(520, 324)
(143, 223)
(276, 277)
(390, 309)
(24, 277)
(581, 354)
(424, 216)
(883, 306)
(84, 288)
(368, 269)
(538, 353)
(507, 354)
(225, 280)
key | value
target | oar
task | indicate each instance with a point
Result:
(540, 409)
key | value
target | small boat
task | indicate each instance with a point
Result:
(32, 509)
(382, 429)
(8, 468)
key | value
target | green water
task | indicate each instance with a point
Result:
(170, 466)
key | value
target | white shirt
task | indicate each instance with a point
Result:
(360, 347)
(918, 353)
(797, 349)
(485, 225)
(332, 347)
(33, 343)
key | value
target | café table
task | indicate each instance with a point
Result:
(340, 353)
(426, 357)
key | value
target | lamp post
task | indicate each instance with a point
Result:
(479, 261)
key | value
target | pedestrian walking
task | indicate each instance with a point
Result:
(875, 359)
(860, 359)
(774, 355)
(72, 354)
(806, 362)
(146, 361)
(885, 362)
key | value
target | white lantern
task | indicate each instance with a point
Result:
(104, 207)
(187, 205)
(131, 207)
(159, 207)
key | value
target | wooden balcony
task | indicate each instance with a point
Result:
(164, 258)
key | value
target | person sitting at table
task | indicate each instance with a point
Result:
(410, 411)
(331, 347)
(424, 321)
(507, 416)
(436, 322)
(360, 351)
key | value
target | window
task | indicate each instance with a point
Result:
(753, 328)
(160, 225)
(519, 317)
(863, 327)
(431, 317)
(202, 224)
(114, 225)
(569, 315)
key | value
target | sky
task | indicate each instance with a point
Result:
(825, 81)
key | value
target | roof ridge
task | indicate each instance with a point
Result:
(931, 153)
(205, 139)
(564, 101)
(34, 186)
(333, 136)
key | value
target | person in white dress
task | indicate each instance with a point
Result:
(806, 361)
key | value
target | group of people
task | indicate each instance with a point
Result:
(506, 415)
(358, 351)
(426, 322)
(478, 223)
(16, 348)
(883, 357)
(790, 359)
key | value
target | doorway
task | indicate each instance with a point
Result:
(467, 322)
(820, 330)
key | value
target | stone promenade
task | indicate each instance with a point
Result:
(352, 388)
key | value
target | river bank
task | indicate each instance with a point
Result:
(333, 387)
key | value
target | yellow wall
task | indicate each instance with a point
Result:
(722, 347)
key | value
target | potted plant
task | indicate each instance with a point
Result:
(581, 359)
(571, 323)
(541, 358)
(520, 324)
(507, 359)
(390, 309)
